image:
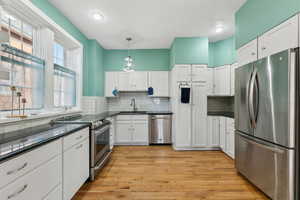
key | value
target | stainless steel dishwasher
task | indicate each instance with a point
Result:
(161, 129)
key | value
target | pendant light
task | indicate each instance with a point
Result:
(128, 66)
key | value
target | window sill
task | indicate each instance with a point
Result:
(41, 115)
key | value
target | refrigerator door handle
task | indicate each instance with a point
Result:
(251, 99)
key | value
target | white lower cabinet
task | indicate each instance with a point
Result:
(75, 168)
(55, 194)
(229, 148)
(35, 185)
(132, 130)
(213, 131)
(112, 131)
(222, 133)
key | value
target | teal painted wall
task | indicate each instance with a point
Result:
(95, 83)
(257, 16)
(222, 52)
(91, 64)
(144, 59)
(189, 51)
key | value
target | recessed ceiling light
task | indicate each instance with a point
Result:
(97, 15)
(219, 28)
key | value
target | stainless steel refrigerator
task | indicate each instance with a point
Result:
(267, 124)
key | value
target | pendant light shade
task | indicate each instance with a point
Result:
(128, 60)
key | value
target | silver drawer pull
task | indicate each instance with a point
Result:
(18, 192)
(17, 170)
(79, 137)
(79, 147)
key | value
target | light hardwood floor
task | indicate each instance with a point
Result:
(159, 173)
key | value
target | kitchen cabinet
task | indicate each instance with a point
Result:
(199, 73)
(36, 184)
(280, 38)
(222, 81)
(232, 79)
(247, 53)
(75, 168)
(133, 81)
(132, 130)
(55, 194)
(222, 126)
(213, 132)
(229, 148)
(159, 81)
(199, 113)
(123, 132)
(111, 83)
(187, 73)
(210, 81)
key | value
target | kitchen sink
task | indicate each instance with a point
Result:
(133, 112)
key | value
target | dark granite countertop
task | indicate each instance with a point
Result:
(14, 143)
(223, 114)
(160, 113)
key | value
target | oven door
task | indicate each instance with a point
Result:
(99, 144)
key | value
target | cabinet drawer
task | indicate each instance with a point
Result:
(140, 117)
(75, 138)
(20, 165)
(124, 117)
(36, 184)
(55, 194)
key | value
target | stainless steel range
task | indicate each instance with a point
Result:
(99, 139)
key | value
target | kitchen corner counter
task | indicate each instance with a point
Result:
(14, 143)
(223, 114)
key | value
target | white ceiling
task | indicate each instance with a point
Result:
(151, 23)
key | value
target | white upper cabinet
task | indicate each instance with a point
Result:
(280, 38)
(111, 83)
(138, 81)
(247, 53)
(159, 81)
(232, 78)
(183, 72)
(124, 81)
(210, 81)
(199, 73)
(222, 80)
(133, 81)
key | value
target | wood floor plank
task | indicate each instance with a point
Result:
(160, 173)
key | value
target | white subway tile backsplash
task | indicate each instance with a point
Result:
(143, 102)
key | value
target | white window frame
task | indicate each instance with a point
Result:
(28, 12)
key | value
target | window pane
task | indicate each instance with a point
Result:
(59, 54)
(27, 30)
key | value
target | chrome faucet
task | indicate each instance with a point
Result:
(133, 104)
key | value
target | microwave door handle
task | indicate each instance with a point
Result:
(251, 99)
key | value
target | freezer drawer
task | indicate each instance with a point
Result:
(269, 167)
(160, 129)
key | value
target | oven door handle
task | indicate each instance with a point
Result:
(100, 165)
(101, 130)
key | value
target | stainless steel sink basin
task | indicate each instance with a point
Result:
(133, 112)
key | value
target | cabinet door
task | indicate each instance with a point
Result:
(56, 194)
(124, 81)
(140, 132)
(199, 115)
(215, 139)
(124, 132)
(159, 81)
(232, 79)
(223, 133)
(280, 38)
(247, 53)
(138, 81)
(75, 168)
(222, 80)
(183, 72)
(210, 81)
(230, 137)
(111, 83)
(182, 122)
(199, 73)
